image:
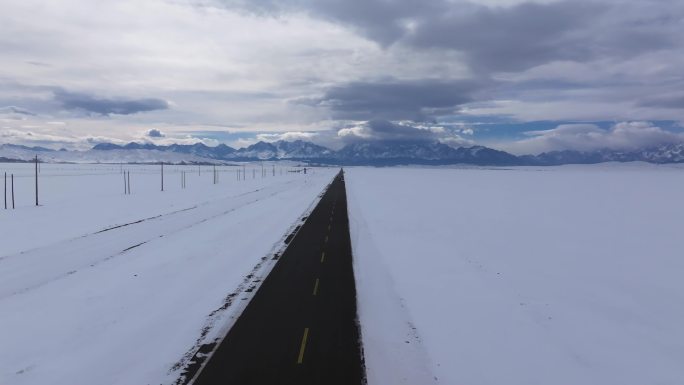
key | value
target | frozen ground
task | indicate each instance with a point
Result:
(79, 305)
(568, 275)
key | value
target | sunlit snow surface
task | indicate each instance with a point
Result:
(123, 306)
(566, 275)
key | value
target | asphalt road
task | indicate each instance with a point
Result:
(301, 326)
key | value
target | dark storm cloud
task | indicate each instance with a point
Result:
(397, 100)
(154, 133)
(380, 20)
(511, 38)
(103, 106)
(671, 101)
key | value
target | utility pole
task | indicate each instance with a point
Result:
(36, 180)
(162, 176)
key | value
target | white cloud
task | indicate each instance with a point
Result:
(35, 136)
(187, 139)
(358, 131)
(457, 141)
(243, 142)
(403, 131)
(589, 137)
(287, 136)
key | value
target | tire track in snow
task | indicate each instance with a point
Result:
(139, 221)
(115, 227)
(92, 264)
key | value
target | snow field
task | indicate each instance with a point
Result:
(564, 275)
(92, 196)
(124, 305)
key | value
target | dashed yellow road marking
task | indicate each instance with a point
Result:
(300, 359)
(315, 291)
(328, 227)
(322, 257)
(326, 239)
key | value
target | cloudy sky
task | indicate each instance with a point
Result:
(524, 76)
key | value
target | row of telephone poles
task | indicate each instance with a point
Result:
(240, 174)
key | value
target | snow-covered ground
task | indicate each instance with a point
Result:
(79, 305)
(566, 275)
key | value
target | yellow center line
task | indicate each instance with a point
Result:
(326, 239)
(322, 256)
(315, 287)
(300, 359)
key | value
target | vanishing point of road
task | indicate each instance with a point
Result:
(301, 325)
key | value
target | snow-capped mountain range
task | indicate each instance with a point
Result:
(668, 153)
(299, 150)
(361, 153)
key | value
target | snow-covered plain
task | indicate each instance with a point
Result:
(79, 305)
(565, 275)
